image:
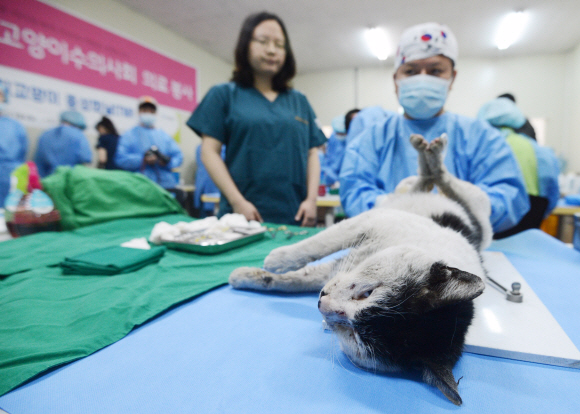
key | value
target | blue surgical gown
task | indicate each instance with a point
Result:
(381, 156)
(547, 168)
(63, 145)
(267, 145)
(132, 147)
(13, 147)
(332, 160)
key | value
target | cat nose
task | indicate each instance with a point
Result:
(322, 293)
(330, 314)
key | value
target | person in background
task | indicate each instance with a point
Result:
(335, 147)
(378, 158)
(203, 185)
(350, 115)
(271, 170)
(149, 150)
(364, 119)
(527, 127)
(107, 144)
(13, 145)
(63, 145)
(539, 165)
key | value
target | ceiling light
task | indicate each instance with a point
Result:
(378, 42)
(510, 29)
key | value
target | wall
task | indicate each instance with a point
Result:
(572, 110)
(545, 86)
(121, 20)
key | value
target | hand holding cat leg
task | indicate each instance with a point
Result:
(307, 279)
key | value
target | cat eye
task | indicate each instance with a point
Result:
(364, 294)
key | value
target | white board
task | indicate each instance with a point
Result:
(524, 331)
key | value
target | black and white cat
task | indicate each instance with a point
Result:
(402, 297)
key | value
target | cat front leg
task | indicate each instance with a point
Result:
(307, 279)
(338, 237)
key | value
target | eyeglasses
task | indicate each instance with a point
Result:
(264, 42)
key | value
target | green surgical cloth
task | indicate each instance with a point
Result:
(111, 260)
(48, 319)
(86, 196)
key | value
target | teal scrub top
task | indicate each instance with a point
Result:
(266, 143)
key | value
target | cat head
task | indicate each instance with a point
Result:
(401, 309)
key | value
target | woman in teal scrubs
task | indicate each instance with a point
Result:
(271, 170)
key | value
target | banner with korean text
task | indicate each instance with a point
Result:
(56, 61)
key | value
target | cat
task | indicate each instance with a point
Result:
(402, 298)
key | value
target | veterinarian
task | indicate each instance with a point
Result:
(13, 145)
(63, 145)
(380, 156)
(271, 170)
(539, 165)
(149, 150)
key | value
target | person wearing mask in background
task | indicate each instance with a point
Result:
(364, 119)
(335, 147)
(271, 170)
(381, 156)
(13, 145)
(539, 165)
(63, 145)
(149, 150)
(527, 127)
(107, 144)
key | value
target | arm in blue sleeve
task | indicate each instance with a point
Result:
(358, 174)
(496, 171)
(85, 155)
(548, 171)
(175, 153)
(128, 157)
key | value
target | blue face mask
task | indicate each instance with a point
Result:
(147, 119)
(423, 96)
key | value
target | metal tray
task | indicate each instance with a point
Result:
(197, 242)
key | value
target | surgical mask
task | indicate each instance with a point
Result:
(147, 119)
(3, 107)
(423, 96)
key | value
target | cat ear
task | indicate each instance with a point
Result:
(442, 377)
(452, 285)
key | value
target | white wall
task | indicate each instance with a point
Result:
(545, 86)
(120, 19)
(571, 134)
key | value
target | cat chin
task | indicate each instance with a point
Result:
(358, 354)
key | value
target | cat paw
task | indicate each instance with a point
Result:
(281, 260)
(418, 142)
(250, 278)
(438, 145)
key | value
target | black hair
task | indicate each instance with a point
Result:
(509, 96)
(147, 105)
(108, 125)
(243, 74)
(348, 118)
